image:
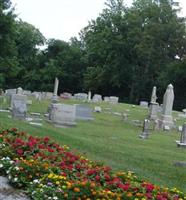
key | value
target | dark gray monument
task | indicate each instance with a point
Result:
(83, 112)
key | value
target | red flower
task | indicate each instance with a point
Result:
(20, 151)
(125, 187)
(97, 177)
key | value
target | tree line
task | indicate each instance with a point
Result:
(125, 51)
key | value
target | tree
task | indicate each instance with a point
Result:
(128, 48)
(8, 52)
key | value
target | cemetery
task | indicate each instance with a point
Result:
(129, 138)
(100, 115)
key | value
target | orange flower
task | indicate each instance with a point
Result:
(65, 195)
(92, 185)
(76, 189)
(129, 194)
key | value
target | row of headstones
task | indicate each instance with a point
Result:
(88, 97)
(79, 96)
(145, 134)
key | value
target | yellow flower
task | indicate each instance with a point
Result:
(57, 182)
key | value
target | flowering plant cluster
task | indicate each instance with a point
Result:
(50, 171)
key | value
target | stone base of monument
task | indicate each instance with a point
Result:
(62, 124)
(180, 144)
(166, 120)
(153, 110)
(54, 99)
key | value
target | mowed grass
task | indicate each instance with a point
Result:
(115, 142)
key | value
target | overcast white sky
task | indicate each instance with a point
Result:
(62, 19)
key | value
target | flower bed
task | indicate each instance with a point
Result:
(50, 171)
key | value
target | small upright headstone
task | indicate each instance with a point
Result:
(182, 142)
(125, 116)
(81, 96)
(144, 104)
(19, 90)
(113, 99)
(97, 98)
(145, 133)
(166, 117)
(19, 107)
(106, 99)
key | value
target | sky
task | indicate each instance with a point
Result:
(63, 19)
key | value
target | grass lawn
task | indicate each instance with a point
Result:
(110, 140)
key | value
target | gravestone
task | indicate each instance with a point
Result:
(62, 114)
(113, 99)
(182, 142)
(54, 96)
(89, 96)
(27, 92)
(153, 105)
(48, 95)
(153, 96)
(66, 95)
(18, 105)
(83, 112)
(81, 96)
(145, 133)
(144, 104)
(153, 110)
(97, 98)
(10, 92)
(106, 99)
(19, 90)
(166, 117)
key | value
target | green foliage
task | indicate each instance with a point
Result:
(125, 51)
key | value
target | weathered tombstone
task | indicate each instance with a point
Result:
(1, 92)
(145, 133)
(19, 108)
(153, 96)
(62, 114)
(66, 95)
(48, 95)
(10, 92)
(182, 142)
(144, 104)
(106, 99)
(125, 116)
(97, 98)
(19, 90)
(166, 117)
(81, 96)
(113, 99)
(83, 112)
(27, 92)
(55, 97)
(89, 96)
(153, 110)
